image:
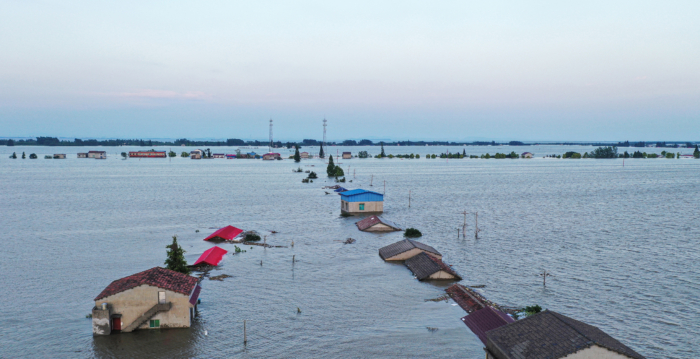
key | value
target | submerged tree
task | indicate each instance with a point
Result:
(382, 155)
(13, 155)
(330, 170)
(696, 153)
(24, 156)
(176, 258)
(297, 156)
(320, 153)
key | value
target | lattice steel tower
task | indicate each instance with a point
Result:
(324, 133)
(270, 146)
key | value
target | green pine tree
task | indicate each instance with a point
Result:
(24, 156)
(14, 155)
(464, 152)
(321, 154)
(330, 170)
(696, 153)
(382, 154)
(297, 156)
(176, 258)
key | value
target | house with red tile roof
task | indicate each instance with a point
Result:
(152, 299)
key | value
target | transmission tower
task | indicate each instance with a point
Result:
(324, 133)
(270, 149)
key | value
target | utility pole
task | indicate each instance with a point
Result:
(544, 276)
(245, 335)
(409, 200)
(476, 225)
(384, 188)
(370, 180)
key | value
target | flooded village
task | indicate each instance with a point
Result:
(169, 298)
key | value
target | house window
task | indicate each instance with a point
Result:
(362, 206)
(154, 323)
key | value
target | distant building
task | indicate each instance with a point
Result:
(218, 155)
(376, 223)
(59, 156)
(361, 201)
(151, 299)
(147, 154)
(552, 335)
(230, 156)
(196, 154)
(304, 155)
(405, 249)
(82, 155)
(347, 155)
(425, 266)
(687, 156)
(97, 154)
(527, 155)
(271, 156)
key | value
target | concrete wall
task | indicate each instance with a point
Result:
(101, 321)
(354, 207)
(596, 352)
(410, 254)
(136, 301)
(441, 275)
(379, 227)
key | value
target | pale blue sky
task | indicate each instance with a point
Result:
(528, 70)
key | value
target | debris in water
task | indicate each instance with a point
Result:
(431, 329)
(349, 241)
(273, 232)
(220, 277)
(439, 299)
(197, 231)
(298, 310)
(478, 286)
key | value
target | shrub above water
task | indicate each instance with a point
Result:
(412, 233)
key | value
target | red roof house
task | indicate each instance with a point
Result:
(156, 277)
(484, 320)
(227, 233)
(211, 256)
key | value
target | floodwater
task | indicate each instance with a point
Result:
(621, 242)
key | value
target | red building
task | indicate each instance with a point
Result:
(147, 154)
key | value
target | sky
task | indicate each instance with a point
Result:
(402, 70)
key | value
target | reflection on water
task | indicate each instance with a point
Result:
(621, 242)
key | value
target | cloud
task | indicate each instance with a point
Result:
(148, 93)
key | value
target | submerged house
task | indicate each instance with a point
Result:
(376, 223)
(271, 156)
(152, 299)
(147, 154)
(485, 319)
(549, 334)
(97, 154)
(304, 155)
(218, 155)
(227, 233)
(361, 201)
(408, 248)
(527, 155)
(211, 257)
(425, 266)
(230, 156)
(196, 154)
(347, 155)
(82, 155)
(59, 156)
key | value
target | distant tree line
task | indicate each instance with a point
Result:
(231, 142)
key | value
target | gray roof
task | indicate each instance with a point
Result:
(549, 335)
(424, 265)
(404, 246)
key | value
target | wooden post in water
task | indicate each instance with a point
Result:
(384, 187)
(370, 180)
(409, 202)
(293, 260)
(476, 225)
(245, 335)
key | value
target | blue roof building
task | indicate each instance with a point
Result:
(361, 201)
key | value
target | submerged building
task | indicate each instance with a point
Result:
(227, 233)
(147, 154)
(408, 248)
(376, 223)
(361, 201)
(152, 299)
(425, 266)
(552, 335)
